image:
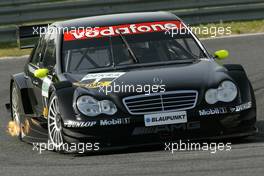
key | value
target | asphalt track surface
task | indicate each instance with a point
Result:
(245, 158)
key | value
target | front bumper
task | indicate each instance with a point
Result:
(214, 123)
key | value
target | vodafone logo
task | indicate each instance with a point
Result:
(126, 29)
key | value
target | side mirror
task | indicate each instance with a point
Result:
(41, 73)
(221, 54)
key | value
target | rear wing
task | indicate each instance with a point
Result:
(27, 36)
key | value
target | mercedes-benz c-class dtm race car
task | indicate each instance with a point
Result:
(129, 79)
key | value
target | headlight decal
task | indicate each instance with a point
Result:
(226, 92)
(89, 106)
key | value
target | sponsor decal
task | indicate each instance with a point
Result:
(78, 124)
(119, 121)
(212, 111)
(45, 87)
(99, 76)
(99, 84)
(125, 29)
(167, 128)
(233, 109)
(93, 84)
(225, 110)
(165, 118)
(99, 79)
(243, 107)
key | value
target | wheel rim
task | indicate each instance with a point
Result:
(54, 123)
(15, 109)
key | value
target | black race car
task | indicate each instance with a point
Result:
(129, 79)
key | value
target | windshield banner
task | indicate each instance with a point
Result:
(125, 29)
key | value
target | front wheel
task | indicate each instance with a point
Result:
(57, 139)
(16, 112)
(55, 123)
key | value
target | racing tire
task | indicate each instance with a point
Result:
(16, 110)
(55, 134)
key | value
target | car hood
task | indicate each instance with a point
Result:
(197, 76)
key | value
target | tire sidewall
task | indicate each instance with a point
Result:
(53, 95)
(14, 86)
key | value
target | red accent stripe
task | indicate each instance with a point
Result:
(125, 29)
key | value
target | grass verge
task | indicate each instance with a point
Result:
(9, 49)
(242, 27)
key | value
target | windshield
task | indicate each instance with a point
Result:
(118, 50)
